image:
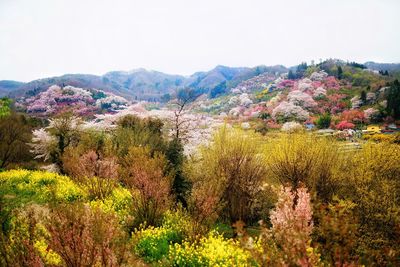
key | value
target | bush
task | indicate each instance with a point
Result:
(228, 174)
(152, 244)
(380, 137)
(24, 186)
(324, 121)
(310, 160)
(213, 250)
(150, 185)
(83, 236)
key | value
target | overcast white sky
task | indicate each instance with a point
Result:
(42, 38)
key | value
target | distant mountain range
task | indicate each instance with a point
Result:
(152, 85)
(141, 84)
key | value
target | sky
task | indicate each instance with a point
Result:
(44, 38)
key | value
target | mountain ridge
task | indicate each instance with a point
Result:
(143, 84)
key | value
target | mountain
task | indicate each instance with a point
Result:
(8, 86)
(383, 66)
(233, 76)
(141, 84)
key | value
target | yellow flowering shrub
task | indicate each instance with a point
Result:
(152, 243)
(213, 250)
(23, 186)
(380, 137)
(119, 201)
(48, 256)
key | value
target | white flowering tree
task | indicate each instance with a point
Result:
(302, 99)
(50, 143)
(291, 126)
(287, 111)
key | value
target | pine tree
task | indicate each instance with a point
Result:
(339, 73)
(363, 97)
(291, 75)
(393, 100)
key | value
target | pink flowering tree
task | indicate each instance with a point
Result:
(371, 114)
(292, 226)
(345, 125)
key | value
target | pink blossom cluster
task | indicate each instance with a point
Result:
(345, 125)
(56, 99)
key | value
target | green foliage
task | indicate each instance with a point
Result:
(153, 243)
(363, 97)
(229, 172)
(180, 186)
(291, 75)
(133, 131)
(393, 100)
(4, 107)
(22, 187)
(339, 72)
(324, 121)
(15, 133)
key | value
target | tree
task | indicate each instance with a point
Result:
(287, 111)
(218, 90)
(340, 73)
(324, 121)
(51, 143)
(14, 136)
(363, 97)
(180, 186)
(133, 131)
(181, 124)
(150, 184)
(229, 174)
(4, 107)
(292, 226)
(85, 236)
(393, 100)
(301, 69)
(300, 159)
(98, 173)
(345, 125)
(291, 75)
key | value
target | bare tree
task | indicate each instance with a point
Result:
(181, 123)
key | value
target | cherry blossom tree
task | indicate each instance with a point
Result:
(345, 125)
(292, 226)
(286, 111)
(302, 99)
(291, 126)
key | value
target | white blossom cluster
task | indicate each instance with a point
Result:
(289, 111)
(318, 76)
(302, 99)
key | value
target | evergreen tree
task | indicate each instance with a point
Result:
(363, 97)
(291, 75)
(324, 121)
(180, 185)
(339, 73)
(393, 100)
